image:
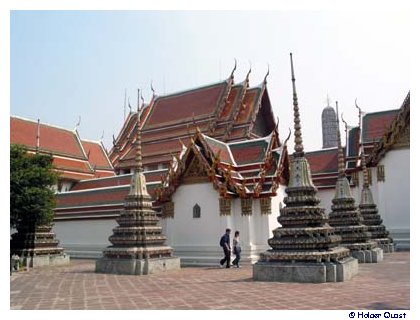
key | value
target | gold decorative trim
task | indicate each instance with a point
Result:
(246, 206)
(168, 210)
(265, 205)
(224, 207)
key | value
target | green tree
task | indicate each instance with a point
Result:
(32, 198)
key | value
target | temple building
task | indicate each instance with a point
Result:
(385, 139)
(73, 158)
(219, 142)
(212, 159)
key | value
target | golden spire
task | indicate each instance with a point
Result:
(341, 166)
(362, 150)
(298, 134)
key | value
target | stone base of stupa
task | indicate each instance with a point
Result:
(137, 266)
(374, 255)
(309, 272)
(385, 245)
(387, 248)
(45, 260)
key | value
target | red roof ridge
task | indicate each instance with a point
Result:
(74, 132)
(43, 123)
(381, 112)
(181, 92)
(267, 139)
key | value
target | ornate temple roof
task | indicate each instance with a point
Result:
(224, 110)
(73, 158)
(253, 168)
(232, 173)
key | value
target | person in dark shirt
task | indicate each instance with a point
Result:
(225, 244)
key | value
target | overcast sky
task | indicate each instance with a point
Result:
(66, 64)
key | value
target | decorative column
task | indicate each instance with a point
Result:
(137, 242)
(347, 220)
(305, 248)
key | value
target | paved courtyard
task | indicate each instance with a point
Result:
(385, 285)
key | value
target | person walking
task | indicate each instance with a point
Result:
(236, 249)
(225, 244)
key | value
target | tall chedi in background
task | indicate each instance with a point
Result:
(137, 243)
(347, 220)
(305, 248)
(329, 127)
(368, 208)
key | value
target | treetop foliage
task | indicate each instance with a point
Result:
(32, 198)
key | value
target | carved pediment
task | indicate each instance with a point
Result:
(195, 172)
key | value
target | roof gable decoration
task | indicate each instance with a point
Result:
(222, 102)
(263, 91)
(238, 106)
(398, 134)
(226, 177)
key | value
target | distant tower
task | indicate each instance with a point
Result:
(329, 127)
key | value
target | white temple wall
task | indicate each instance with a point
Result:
(84, 238)
(394, 195)
(326, 196)
(196, 240)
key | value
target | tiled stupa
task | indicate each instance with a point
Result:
(137, 242)
(304, 248)
(369, 211)
(347, 220)
(37, 246)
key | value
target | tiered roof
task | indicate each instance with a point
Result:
(224, 110)
(73, 158)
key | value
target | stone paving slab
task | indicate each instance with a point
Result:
(384, 285)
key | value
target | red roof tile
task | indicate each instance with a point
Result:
(375, 124)
(96, 155)
(323, 161)
(216, 147)
(182, 106)
(233, 96)
(102, 183)
(52, 139)
(71, 164)
(248, 105)
(249, 151)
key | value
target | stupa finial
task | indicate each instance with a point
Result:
(298, 134)
(138, 164)
(341, 166)
(362, 150)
